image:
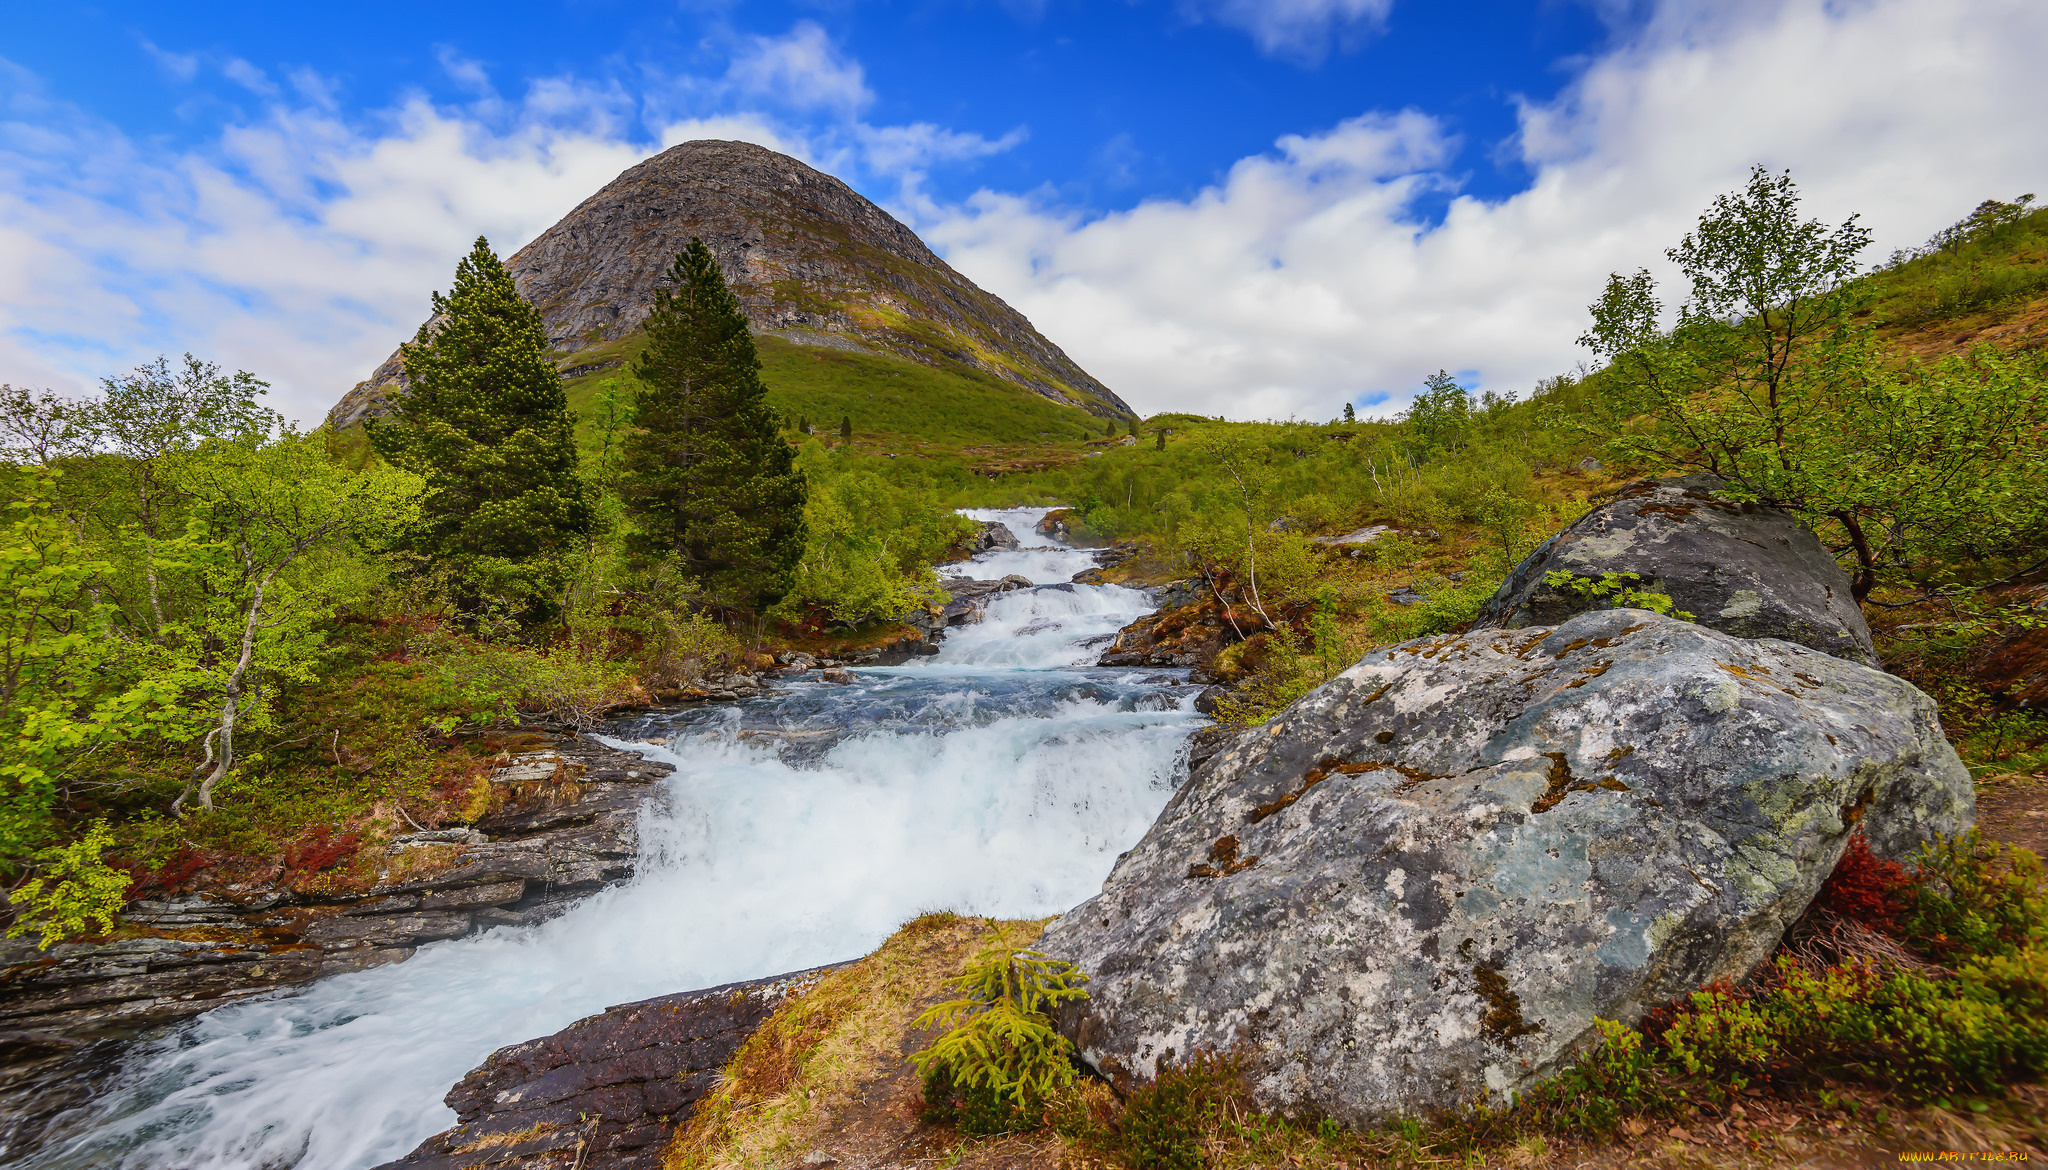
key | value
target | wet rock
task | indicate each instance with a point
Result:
(969, 598)
(1209, 742)
(530, 859)
(1210, 696)
(386, 930)
(1749, 571)
(837, 677)
(990, 536)
(1190, 635)
(1175, 594)
(605, 1091)
(1422, 882)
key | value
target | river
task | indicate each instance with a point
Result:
(1001, 777)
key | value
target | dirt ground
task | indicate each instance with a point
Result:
(2014, 809)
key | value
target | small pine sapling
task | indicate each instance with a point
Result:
(1000, 1057)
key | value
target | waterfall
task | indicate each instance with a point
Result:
(1001, 777)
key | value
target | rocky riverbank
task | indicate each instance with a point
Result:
(605, 1091)
(566, 825)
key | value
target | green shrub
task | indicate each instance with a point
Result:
(1615, 1078)
(73, 890)
(1626, 596)
(1000, 1060)
(1165, 1122)
(1976, 896)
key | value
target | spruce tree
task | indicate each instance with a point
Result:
(708, 479)
(846, 427)
(485, 422)
(1350, 415)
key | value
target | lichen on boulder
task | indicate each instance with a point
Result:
(1750, 571)
(1422, 882)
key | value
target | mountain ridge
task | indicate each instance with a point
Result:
(811, 260)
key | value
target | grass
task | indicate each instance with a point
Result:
(896, 405)
(810, 1059)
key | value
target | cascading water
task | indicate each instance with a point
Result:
(1002, 777)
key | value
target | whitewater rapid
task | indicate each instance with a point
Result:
(1002, 777)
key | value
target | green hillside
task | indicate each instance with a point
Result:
(894, 403)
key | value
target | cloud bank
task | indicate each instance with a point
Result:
(1304, 278)
(302, 244)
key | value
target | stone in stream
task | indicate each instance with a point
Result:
(1750, 571)
(990, 536)
(1422, 882)
(607, 1090)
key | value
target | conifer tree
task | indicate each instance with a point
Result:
(846, 427)
(1350, 415)
(487, 425)
(708, 478)
(1160, 443)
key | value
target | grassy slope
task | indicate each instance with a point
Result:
(957, 415)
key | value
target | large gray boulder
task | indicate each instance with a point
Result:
(1749, 571)
(1423, 881)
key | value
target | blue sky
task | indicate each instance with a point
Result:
(1253, 207)
(1115, 101)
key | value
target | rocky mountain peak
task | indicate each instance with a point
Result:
(812, 261)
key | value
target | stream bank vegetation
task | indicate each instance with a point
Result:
(1907, 1012)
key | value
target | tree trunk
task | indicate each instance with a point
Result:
(1866, 561)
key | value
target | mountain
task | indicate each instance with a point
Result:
(813, 263)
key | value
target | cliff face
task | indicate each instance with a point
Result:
(811, 261)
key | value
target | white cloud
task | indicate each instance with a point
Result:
(1303, 278)
(802, 70)
(302, 246)
(248, 77)
(298, 248)
(1299, 29)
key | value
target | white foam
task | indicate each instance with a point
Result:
(1041, 559)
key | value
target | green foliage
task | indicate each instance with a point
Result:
(1991, 257)
(1440, 418)
(999, 1048)
(870, 540)
(485, 423)
(73, 890)
(1977, 896)
(1626, 595)
(257, 508)
(1166, 1121)
(1614, 1078)
(495, 681)
(56, 650)
(706, 475)
(1770, 380)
